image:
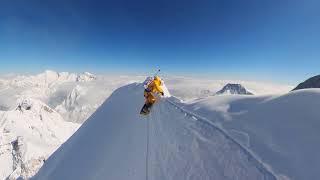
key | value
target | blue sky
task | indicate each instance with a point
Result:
(275, 40)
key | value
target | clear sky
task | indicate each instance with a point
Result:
(268, 39)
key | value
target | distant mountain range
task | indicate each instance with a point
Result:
(74, 96)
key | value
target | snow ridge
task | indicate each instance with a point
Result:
(262, 166)
(179, 147)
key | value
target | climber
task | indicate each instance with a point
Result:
(152, 88)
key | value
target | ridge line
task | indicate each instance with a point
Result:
(227, 135)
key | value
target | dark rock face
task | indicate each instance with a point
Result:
(313, 82)
(234, 89)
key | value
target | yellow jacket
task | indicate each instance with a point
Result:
(155, 86)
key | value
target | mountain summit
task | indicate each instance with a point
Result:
(313, 82)
(234, 89)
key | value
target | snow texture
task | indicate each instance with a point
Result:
(282, 130)
(28, 135)
(74, 97)
(118, 143)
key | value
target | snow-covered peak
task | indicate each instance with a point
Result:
(52, 76)
(234, 89)
(33, 105)
(313, 82)
(85, 77)
(28, 135)
(24, 104)
(73, 108)
(75, 95)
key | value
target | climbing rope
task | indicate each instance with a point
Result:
(147, 153)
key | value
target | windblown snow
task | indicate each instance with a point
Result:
(118, 143)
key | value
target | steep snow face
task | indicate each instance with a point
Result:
(234, 89)
(28, 135)
(313, 82)
(282, 130)
(118, 143)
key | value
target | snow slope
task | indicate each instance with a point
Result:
(117, 143)
(28, 135)
(282, 130)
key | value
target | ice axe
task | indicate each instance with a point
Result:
(156, 73)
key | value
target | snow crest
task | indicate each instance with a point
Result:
(116, 142)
